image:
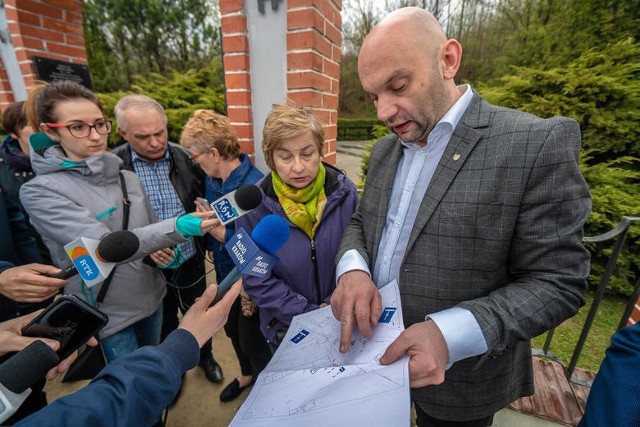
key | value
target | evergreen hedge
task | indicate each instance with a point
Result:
(356, 129)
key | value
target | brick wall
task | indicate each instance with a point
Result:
(313, 64)
(235, 47)
(46, 28)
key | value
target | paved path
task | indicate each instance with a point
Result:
(349, 158)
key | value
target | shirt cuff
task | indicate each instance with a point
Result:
(461, 332)
(351, 260)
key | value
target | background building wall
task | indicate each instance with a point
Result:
(45, 28)
(287, 54)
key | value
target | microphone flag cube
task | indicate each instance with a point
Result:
(82, 252)
(248, 257)
(225, 210)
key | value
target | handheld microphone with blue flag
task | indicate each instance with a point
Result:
(237, 203)
(254, 255)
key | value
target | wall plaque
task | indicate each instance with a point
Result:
(50, 70)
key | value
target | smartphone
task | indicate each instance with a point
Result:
(68, 320)
(205, 202)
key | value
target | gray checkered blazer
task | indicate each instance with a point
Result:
(498, 233)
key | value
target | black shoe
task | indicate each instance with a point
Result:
(232, 391)
(212, 370)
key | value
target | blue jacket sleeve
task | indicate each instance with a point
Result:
(131, 391)
(614, 399)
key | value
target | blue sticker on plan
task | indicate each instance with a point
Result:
(299, 336)
(387, 314)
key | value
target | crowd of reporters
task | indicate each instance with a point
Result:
(72, 187)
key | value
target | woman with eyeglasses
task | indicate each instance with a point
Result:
(317, 201)
(213, 144)
(77, 192)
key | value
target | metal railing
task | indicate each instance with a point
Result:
(619, 236)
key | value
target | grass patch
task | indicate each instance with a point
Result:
(604, 326)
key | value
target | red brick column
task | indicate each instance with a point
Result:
(313, 64)
(235, 47)
(46, 28)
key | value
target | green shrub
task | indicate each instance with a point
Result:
(601, 90)
(180, 95)
(614, 186)
(356, 129)
(378, 131)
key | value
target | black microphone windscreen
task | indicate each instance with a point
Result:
(248, 197)
(28, 366)
(117, 246)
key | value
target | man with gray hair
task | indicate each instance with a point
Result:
(172, 182)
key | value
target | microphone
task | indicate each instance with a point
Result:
(94, 259)
(233, 205)
(22, 371)
(254, 255)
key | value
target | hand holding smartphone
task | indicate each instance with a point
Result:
(204, 202)
(68, 320)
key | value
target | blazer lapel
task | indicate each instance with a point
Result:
(464, 138)
(384, 180)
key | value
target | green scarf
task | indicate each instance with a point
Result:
(303, 206)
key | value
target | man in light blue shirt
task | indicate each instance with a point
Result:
(172, 182)
(476, 210)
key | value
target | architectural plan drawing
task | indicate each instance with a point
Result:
(310, 383)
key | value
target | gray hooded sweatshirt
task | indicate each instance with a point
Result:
(67, 200)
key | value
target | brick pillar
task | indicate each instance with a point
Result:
(46, 28)
(313, 65)
(235, 48)
(313, 62)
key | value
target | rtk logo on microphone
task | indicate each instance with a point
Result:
(84, 263)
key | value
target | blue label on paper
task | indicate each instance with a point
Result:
(387, 314)
(299, 336)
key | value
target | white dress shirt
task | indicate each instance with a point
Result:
(459, 327)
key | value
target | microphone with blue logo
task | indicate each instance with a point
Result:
(237, 203)
(254, 254)
(94, 259)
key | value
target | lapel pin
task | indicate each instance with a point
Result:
(456, 157)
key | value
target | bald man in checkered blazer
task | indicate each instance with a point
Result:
(477, 211)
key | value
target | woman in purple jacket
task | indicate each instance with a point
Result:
(317, 201)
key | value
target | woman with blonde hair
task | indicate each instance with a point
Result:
(317, 200)
(213, 144)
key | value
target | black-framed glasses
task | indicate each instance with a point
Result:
(194, 158)
(82, 130)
